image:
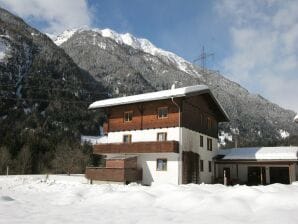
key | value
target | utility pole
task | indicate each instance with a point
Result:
(202, 58)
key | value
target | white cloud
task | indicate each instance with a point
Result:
(264, 55)
(58, 15)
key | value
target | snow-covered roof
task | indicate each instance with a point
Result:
(261, 153)
(159, 95)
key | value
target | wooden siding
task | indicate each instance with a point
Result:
(137, 147)
(195, 113)
(113, 174)
(144, 116)
(190, 167)
(122, 163)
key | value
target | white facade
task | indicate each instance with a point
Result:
(147, 135)
(191, 142)
(188, 140)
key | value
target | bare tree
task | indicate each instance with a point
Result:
(24, 160)
(69, 158)
(5, 159)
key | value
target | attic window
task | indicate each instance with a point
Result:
(127, 116)
(209, 123)
(162, 112)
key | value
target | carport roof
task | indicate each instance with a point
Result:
(260, 153)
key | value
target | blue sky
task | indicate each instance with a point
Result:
(254, 42)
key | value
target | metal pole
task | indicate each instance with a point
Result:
(7, 170)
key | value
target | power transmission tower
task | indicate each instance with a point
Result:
(202, 58)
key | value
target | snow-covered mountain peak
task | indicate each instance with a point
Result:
(137, 43)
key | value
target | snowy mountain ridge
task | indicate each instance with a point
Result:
(136, 43)
(120, 64)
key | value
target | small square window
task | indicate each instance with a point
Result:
(162, 136)
(161, 164)
(201, 165)
(201, 141)
(210, 166)
(209, 144)
(127, 116)
(126, 138)
(162, 112)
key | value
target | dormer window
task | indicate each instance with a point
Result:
(162, 112)
(127, 116)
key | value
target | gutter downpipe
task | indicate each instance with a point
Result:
(180, 143)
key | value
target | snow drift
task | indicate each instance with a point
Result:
(63, 199)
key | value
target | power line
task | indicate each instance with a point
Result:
(46, 100)
(203, 57)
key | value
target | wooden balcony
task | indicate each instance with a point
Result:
(123, 175)
(137, 147)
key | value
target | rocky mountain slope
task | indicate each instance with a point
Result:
(44, 95)
(127, 65)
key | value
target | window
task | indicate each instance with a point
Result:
(162, 136)
(127, 116)
(210, 166)
(162, 112)
(201, 165)
(209, 123)
(202, 120)
(209, 144)
(126, 138)
(201, 141)
(161, 164)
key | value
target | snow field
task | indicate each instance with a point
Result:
(63, 199)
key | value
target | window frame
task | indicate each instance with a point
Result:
(129, 137)
(162, 117)
(209, 123)
(164, 168)
(210, 166)
(201, 141)
(201, 165)
(209, 144)
(162, 133)
(127, 112)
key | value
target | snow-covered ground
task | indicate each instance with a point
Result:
(63, 199)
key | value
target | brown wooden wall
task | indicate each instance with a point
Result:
(190, 167)
(137, 147)
(144, 116)
(113, 174)
(195, 111)
(122, 163)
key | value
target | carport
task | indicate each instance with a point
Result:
(255, 166)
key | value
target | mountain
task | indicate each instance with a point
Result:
(128, 65)
(44, 97)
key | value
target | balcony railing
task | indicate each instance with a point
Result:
(137, 147)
